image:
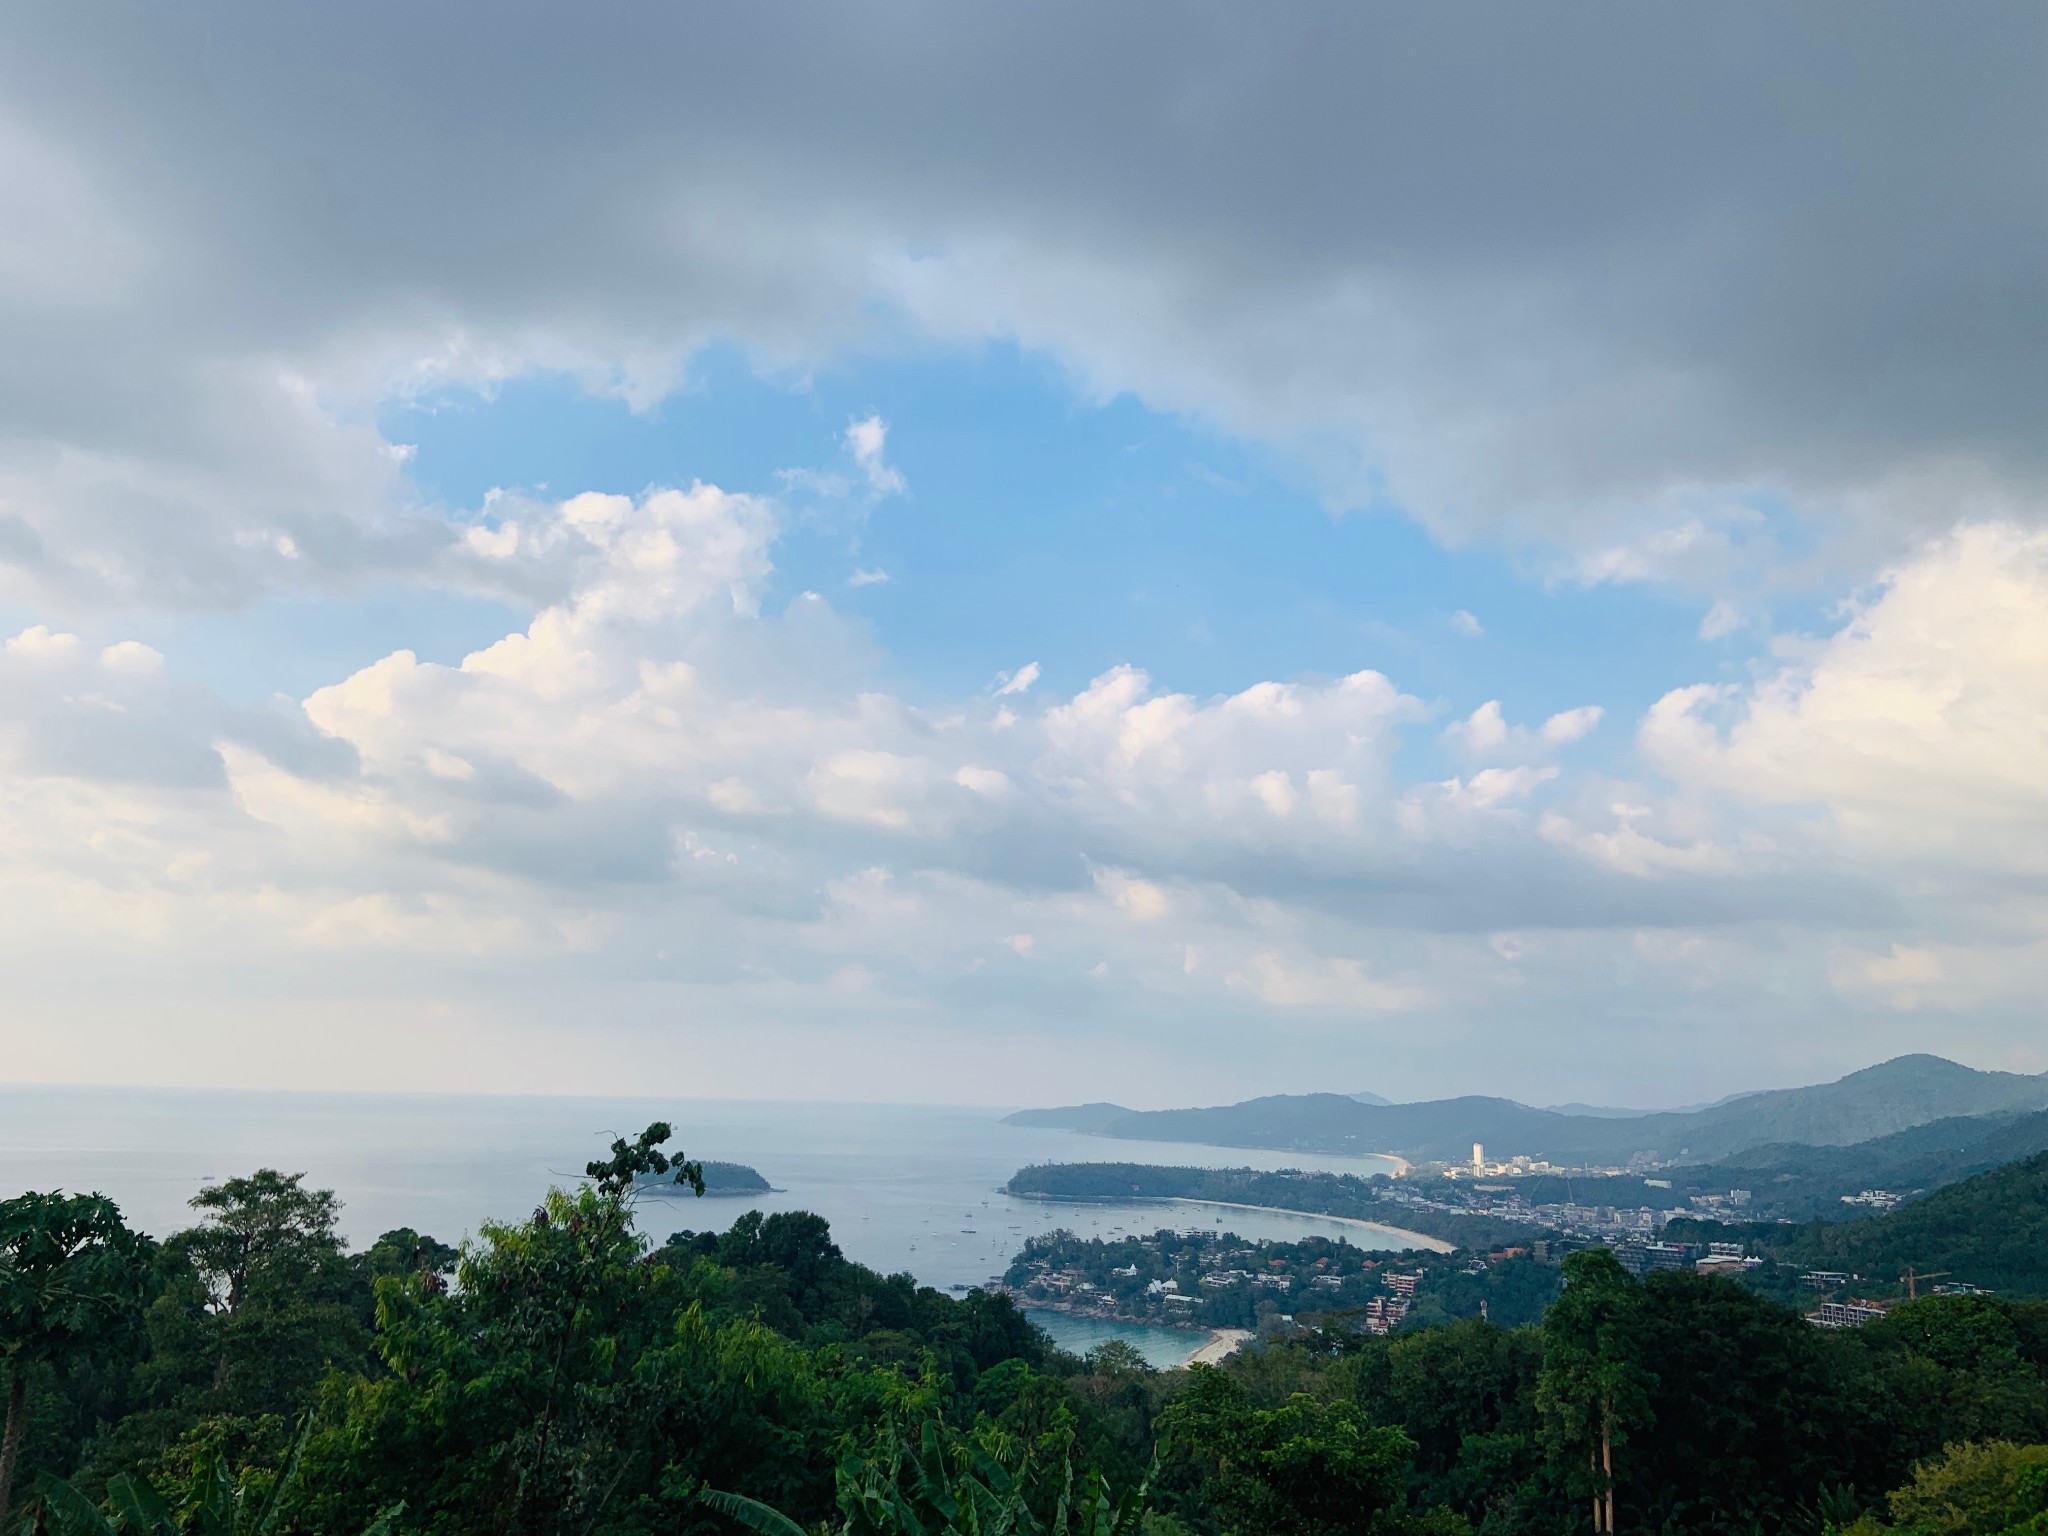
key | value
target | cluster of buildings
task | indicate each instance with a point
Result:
(1514, 1167)
(1838, 1311)
(1190, 1279)
(1640, 1256)
(1726, 1259)
(1847, 1314)
(1383, 1313)
(1224, 1279)
(1520, 1166)
(1730, 1204)
(1606, 1222)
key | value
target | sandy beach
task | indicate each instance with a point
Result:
(1223, 1342)
(1412, 1239)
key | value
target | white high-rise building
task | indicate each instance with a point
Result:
(1478, 1157)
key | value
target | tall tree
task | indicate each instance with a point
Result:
(1593, 1388)
(73, 1280)
(260, 1300)
(264, 1230)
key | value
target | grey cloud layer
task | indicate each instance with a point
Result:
(1638, 284)
(1592, 275)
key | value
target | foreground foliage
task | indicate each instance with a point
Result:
(558, 1375)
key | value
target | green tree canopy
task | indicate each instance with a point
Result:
(73, 1280)
(1593, 1389)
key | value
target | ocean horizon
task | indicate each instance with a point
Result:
(914, 1188)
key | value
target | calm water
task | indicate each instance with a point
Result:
(1161, 1347)
(912, 1188)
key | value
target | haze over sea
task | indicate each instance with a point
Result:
(905, 1187)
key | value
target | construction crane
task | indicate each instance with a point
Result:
(1913, 1277)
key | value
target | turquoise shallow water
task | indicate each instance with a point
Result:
(914, 1188)
(1161, 1347)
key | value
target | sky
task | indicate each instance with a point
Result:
(1020, 554)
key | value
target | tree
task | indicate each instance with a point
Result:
(1463, 1393)
(1593, 1388)
(260, 1301)
(641, 1160)
(1117, 1357)
(73, 1280)
(1306, 1468)
(214, 1502)
(1993, 1489)
(265, 1231)
(530, 1365)
(402, 1252)
(930, 1481)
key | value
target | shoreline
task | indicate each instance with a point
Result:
(1420, 1240)
(1219, 1346)
(1223, 1343)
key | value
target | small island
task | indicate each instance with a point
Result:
(720, 1180)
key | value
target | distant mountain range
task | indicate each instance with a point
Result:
(1894, 1096)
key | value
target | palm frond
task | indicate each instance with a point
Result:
(751, 1513)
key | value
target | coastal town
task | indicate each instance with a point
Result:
(1204, 1279)
(1241, 1289)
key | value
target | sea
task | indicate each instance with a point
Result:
(914, 1188)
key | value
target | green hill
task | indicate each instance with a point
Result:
(1989, 1230)
(1803, 1182)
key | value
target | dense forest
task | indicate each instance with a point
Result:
(563, 1375)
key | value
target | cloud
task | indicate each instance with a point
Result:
(1572, 724)
(1465, 624)
(1339, 986)
(866, 440)
(1627, 849)
(1631, 340)
(1603, 325)
(663, 788)
(867, 578)
(1720, 621)
(1919, 727)
(1485, 733)
(1019, 681)
(40, 642)
(1140, 898)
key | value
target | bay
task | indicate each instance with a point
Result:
(912, 1188)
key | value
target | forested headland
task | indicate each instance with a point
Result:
(562, 1374)
(1348, 1196)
